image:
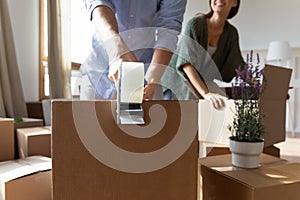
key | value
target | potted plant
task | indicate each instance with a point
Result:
(247, 127)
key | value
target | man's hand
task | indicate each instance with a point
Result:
(149, 91)
(116, 63)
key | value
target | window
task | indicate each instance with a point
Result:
(80, 44)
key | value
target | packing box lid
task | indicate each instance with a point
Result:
(278, 82)
(29, 122)
(34, 131)
(6, 119)
(266, 176)
(10, 170)
(225, 160)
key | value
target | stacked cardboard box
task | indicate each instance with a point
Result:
(26, 179)
(28, 122)
(157, 160)
(34, 141)
(24, 123)
(275, 179)
(7, 137)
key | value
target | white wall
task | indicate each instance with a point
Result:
(259, 22)
(25, 21)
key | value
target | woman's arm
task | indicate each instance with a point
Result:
(195, 79)
(215, 99)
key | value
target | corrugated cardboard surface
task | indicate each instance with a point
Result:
(7, 143)
(78, 175)
(273, 103)
(34, 141)
(26, 179)
(213, 123)
(275, 179)
(219, 150)
(29, 122)
(26, 123)
(36, 186)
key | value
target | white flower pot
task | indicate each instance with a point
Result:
(246, 154)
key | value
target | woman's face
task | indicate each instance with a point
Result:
(222, 5)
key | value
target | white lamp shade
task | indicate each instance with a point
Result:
(278, 50)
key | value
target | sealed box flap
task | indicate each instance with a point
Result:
(6, 119)
(40, 163)
(29, 122)
(278, 81)
(224, 161)
(267, 176)
(34, 131)
(10, 170)
(31, 119)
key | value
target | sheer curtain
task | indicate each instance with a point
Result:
(12, 101)
(59, 43)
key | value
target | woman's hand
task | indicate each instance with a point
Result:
(218, 101)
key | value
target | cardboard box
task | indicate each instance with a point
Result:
(273, 103)
(221, 150)
(25, 123)
(26, 179)
(29, 122)
(96, 158)
(213, 124)
(34, 141)
(275, 179)
(7, 143)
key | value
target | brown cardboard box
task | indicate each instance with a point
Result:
(7, 145)
(273, 103)
(34, 141)
(29, 122)
(157, 160)
(26, 179)
(275, 179)
(213, 124)
(218, 150)
(25, 123)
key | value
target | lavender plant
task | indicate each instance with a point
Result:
(248, 123)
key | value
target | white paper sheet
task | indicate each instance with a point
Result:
(223, 84)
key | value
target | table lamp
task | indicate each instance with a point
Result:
(278, 53)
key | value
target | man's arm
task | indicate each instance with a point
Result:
(160, 61)
(168, 26)
(106, 27)
(105, 22)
